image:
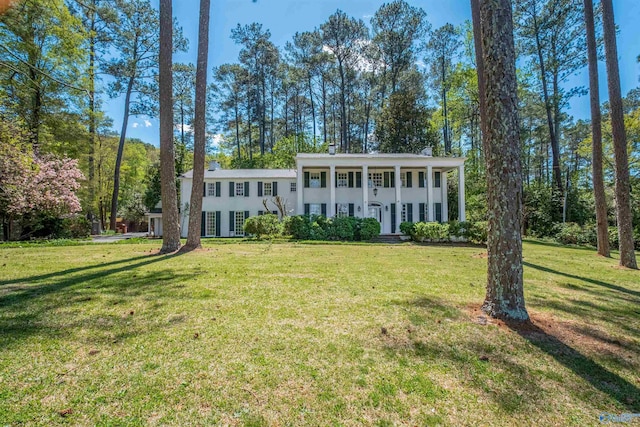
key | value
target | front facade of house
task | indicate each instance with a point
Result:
(389, 187)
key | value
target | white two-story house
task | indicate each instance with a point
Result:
(389, 187)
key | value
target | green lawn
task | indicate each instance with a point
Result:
(293, 334)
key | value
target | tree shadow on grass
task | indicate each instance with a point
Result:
(560, 245)
(610, 383)
(27, 310)
(585, 279)
(480, 356)
(69, 271)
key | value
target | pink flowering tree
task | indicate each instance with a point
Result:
(32, 185)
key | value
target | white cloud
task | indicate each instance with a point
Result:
(135, 125)
(147, 123)
(217, 139)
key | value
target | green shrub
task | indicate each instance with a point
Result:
(369, 229)
(341, 228)
(430, 232)
(77, 227)
(406, 228)
(458, 228)
(477, 232)
(298, 227)
(263, 225)
(614, 238)
(317, 232)
(569, 233)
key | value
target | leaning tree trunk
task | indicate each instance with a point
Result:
(596, 132)
(116, 171)
(505, 293)
(623, 201)
(195, 211)
(170, 215)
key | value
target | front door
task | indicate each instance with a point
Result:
(375, 211)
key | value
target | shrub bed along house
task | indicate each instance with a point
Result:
(305, 227)
(454, 231)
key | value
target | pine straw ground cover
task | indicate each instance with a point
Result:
(294, 334)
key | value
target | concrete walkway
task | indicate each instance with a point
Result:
(110, 238)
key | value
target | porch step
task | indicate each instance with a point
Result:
(387, 238)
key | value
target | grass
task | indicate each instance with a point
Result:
(255, 334)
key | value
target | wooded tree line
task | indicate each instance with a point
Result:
(393, 84)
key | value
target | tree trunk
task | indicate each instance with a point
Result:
(623, 201)
(343, 107)
(555, 149)
(237, 115)
(170, 215)
(477, 42)
(313, 109)
(116, 171)
(195, 211)
(324, 109)
(505, 293)
(92, 114)
(596, 132)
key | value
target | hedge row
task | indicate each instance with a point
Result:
(317, 227)
(571, 233)
(475, 232)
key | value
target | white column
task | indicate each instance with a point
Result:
(398, 185)
(461, 207)
(365, 190)
(332, 190)
(299, 191)
(429, 185)
(445, 202)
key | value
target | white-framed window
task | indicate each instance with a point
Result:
(343, 180)
(403, 216)
(239, 226)
(403, 179)
(266, 189)
(210, 224)
(211, 189)
(343, 209)
(375, 179)
(239, 188)
(315, 209)
(314, 179)
(292, 187)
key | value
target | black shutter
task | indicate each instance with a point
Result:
(439, 212)
(274, 212)
(306, 180)
(246, 214)
(203, 225)
(421, 213)
(438, 177)
(232, 221)
(393, 217)
(336, 211)
(232, 189)
(335, 179)
(386, 180)
(204, 189)
(260, 213)
(358, 179)
(274, 188)
(410, 212)
(218, 189)
(421, 179)
(323, 209)
(307, 209)
(218, 222)
(259, 188)
(350, 179)
(392, 179)
(246, 189)
(323, 179)
(409, 179)
(351, 212)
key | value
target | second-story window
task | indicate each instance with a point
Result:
(239, 189)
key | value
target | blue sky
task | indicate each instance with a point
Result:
(286, 17)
